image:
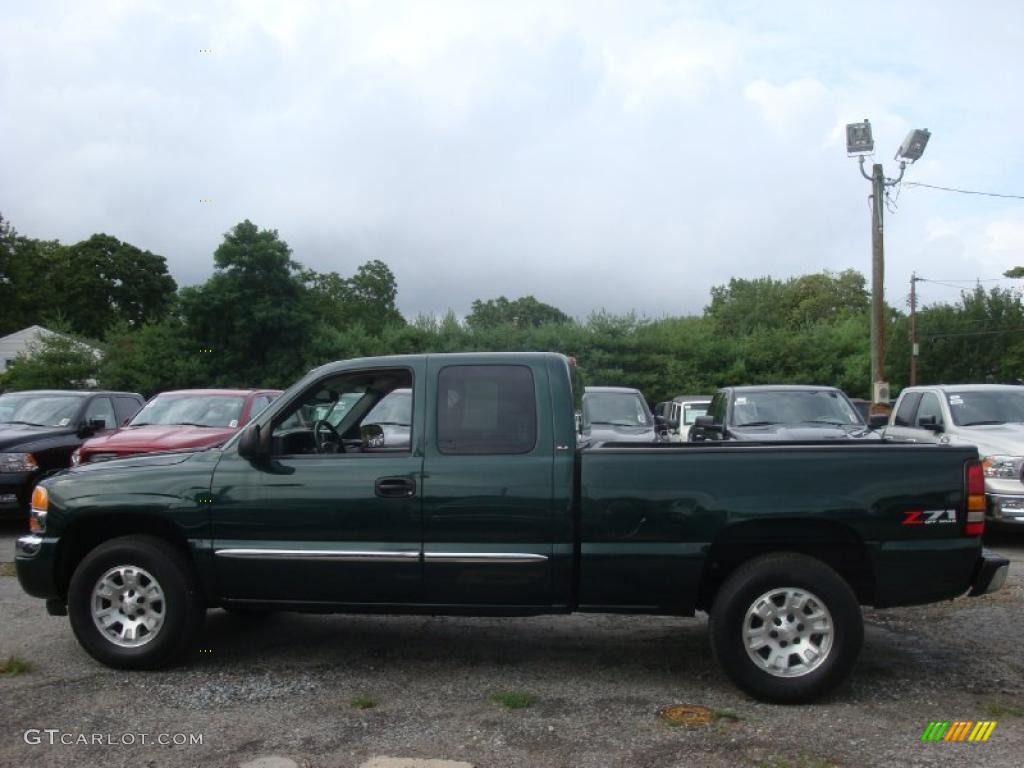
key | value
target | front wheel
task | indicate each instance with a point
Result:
(786, 628)
(134, 603)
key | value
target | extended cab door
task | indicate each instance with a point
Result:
(489, 510)
(332, 514)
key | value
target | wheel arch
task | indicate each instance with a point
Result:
(833, 543)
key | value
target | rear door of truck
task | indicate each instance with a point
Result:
(489, 506)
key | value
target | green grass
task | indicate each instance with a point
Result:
(996, 709)
(15, 665)
(7, 569)
(364, 702)
(514, 699)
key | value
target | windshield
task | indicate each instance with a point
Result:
(692, 410)
(394, 409)
(976, 408)
(794, 407)
(39, 410)
(624, 409)
(192, 410)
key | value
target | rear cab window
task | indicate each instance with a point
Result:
(486, 409)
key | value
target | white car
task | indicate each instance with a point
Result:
(989, 416)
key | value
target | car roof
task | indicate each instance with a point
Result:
(75, 392)
(785, 388)
(219, 392)
(691, 398)
(967, 387)
(610, 391)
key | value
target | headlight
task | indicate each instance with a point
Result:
(1003, 467)
(37, 512)
(76, 457)
(17, 462)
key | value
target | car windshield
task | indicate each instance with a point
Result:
(794, 407)
(624, 409)
(692, 410)
(395, 408)
(38, 410)
(192, 410)
(971, 409)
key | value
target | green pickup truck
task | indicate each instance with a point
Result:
(487, 506)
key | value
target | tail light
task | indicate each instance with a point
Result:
(975, 499)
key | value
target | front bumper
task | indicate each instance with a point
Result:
(989, 573)
(1006, 508)
(35, 560)
(14, 491)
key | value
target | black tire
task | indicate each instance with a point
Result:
(182, 607)
(760, 576)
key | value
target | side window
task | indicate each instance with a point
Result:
(358, 412)
(258, 404)
(101, 408)
(486, 409)
(717, 409)
(126, 407)
(929, 407)
(905, 412)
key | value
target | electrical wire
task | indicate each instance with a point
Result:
(962, 191)
(969, 333)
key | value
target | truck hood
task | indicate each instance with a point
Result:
(14, 435)
(157, 437)
(802, 432)
(137, 460)
(992, 438)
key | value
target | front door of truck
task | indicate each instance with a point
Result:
(488, 507)
(333, 514)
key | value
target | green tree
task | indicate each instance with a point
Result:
(254, 312)
(367, 298)
(524, 312)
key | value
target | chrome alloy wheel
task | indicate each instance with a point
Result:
(788, 632)
(128, 606)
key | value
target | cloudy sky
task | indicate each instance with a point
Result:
(594, 154)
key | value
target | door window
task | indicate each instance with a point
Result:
(486, 409)
(126, 407)
(366, 412)
(905, 412)
(929, 407)
(101, 409)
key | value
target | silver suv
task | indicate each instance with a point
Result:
(989, 416)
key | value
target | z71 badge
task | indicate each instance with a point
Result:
(929, 516)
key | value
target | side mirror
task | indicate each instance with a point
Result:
(702, 426)
(250, 444)
(877, 420)
(372, 435)
(929, 423)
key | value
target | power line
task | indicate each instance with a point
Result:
(972, 333)
(962, 191)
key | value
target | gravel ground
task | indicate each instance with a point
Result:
(289, 685)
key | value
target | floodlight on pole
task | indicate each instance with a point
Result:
(860, 143)
(913, 146)
(858, 138)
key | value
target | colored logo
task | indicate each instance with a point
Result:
(958, 730)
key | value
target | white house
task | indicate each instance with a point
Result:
(25, 340)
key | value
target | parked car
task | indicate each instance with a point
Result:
(490, 510)
(617, 414)
(988, 416)
(184, 418)
(681, 414)
(40, 429)
(781, 412)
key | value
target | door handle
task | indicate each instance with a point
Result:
(395, 487)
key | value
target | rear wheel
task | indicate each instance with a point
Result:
(786, 628)
(135, 603)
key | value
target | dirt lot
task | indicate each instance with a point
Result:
(339, 690)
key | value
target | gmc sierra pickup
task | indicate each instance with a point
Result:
(486, 507)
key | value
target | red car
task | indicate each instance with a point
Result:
(185, 418)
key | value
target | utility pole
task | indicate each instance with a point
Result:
(860, 142)
(913, 327)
